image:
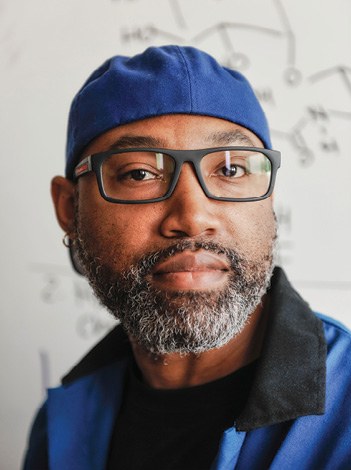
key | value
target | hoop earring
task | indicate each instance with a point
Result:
(67, 241)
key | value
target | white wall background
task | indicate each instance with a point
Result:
(297, 55)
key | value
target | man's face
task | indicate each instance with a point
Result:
(183, 274)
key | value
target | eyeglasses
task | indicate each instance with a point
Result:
(142, 175)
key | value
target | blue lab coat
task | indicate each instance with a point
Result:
(297, 416)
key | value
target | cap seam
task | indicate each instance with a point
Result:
(188, 76)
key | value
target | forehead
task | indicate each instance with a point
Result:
(176, 131)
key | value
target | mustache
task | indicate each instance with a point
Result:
(143, 266)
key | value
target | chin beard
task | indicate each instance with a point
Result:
(180, 322)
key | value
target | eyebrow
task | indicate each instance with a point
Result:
(235, 137)
(135, 141)
(231, 137)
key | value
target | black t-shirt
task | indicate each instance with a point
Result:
(175, 429)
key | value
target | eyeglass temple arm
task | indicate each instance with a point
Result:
(83, 167)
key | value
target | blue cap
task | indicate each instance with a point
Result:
(161, 80)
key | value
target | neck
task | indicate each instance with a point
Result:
(171, 371)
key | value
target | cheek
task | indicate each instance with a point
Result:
(117, 233)
(252, 226)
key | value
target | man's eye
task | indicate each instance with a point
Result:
(139, 175)
(234, 171)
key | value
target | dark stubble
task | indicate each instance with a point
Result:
(178, 321)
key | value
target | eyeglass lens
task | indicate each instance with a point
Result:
(144, 175)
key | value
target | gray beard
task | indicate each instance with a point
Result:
(180, 322)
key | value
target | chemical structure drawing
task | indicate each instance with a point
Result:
(314, 116)
(45, 372)
(59, 285)
(225, 33)
(178, 14)
(341, 70)
(320, 117)
(343, 74)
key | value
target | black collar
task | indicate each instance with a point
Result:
(290, 378)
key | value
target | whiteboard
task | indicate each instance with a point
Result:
(297, 56)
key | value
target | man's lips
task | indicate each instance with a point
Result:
(192, 261)
(191, 271)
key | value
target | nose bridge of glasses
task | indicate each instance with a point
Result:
(189, 161)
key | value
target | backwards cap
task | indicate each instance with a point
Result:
(161, 80)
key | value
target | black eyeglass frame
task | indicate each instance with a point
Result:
(94, 163)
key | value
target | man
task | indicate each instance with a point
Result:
(167, 205)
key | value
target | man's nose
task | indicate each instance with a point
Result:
(190, 212)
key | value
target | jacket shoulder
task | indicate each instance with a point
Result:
(36, 457)
(334, 324)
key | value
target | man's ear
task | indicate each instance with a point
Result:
(63, 195)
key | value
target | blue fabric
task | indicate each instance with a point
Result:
(229, 450)
(81, 419)
(311, 442)
(160, 81)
